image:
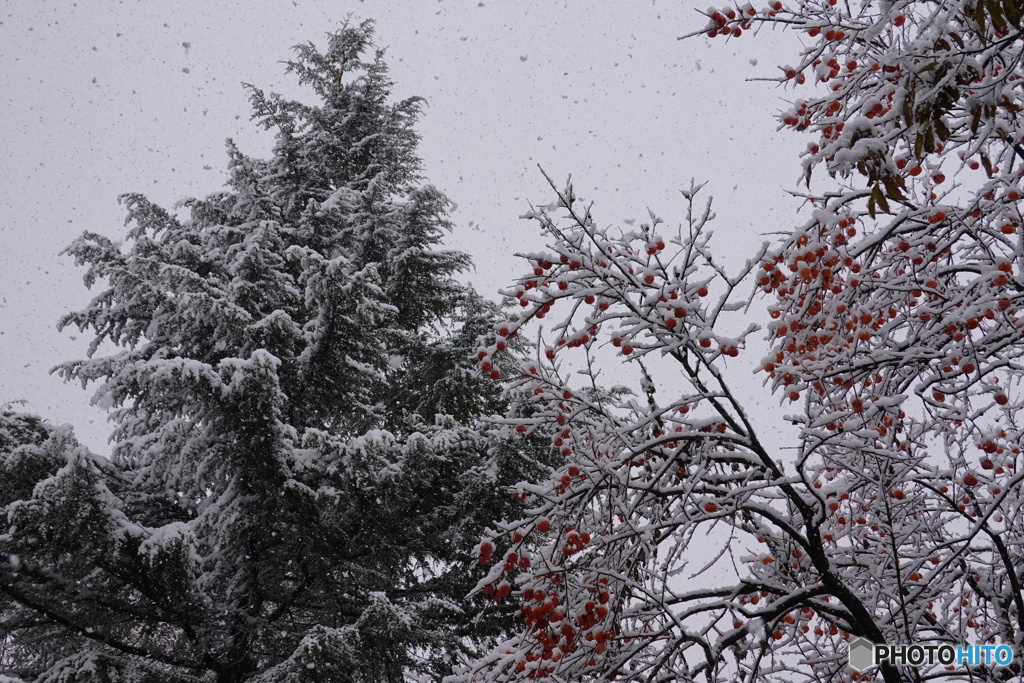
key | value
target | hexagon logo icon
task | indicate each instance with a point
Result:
(862, 654)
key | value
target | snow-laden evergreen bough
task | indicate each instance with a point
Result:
(675, 542)
(299, 469)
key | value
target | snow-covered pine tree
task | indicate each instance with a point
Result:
(299, 469)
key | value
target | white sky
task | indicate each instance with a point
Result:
(102, 97)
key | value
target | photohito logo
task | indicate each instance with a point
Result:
(864, 654)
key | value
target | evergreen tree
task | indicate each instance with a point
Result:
(299, 467)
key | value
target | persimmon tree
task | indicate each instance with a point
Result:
(676, 542)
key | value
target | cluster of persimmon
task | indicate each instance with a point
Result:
(806, 274)
(908, 502)
(596, 279)
(798, 622)
(833, 308)
(1001, 211)
(557, 626)
(803, 619)
(881, 422)
(974, 615)
(561, 404)
(560, 620)
(863, 79)
(518, 557)
(998, 460)
(733, 21)
(917, 572)
(828, 113)
(485, 355)
(498, 585)
(830, 33)
(850, 516)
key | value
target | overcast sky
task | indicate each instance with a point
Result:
(102, 97)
